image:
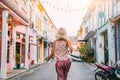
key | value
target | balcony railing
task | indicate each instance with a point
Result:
(21, 7)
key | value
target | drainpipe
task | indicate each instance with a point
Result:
(115, 38)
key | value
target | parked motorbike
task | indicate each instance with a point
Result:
(104, 72)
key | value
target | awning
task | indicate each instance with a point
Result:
(83, 40)
(48, 41)
(90, 34)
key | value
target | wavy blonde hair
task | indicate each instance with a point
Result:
(61, 33)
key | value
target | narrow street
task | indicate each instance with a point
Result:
(78, 71)
(29, 30)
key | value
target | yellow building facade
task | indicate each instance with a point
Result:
(45, 31)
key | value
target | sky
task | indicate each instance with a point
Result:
(66, 13)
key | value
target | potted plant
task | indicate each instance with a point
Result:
(17, 60)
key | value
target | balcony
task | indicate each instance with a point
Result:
(16, 7)
(44, 34)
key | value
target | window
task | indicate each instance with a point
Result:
(86, 30)
(8, 33)
(17, 47)
(18, 35)
(8, 51)
(23, 35)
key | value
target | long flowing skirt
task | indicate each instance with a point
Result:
(62, 69)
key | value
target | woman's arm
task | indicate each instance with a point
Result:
(70, 46)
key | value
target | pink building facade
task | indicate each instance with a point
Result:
(15, 40)
(22, 43)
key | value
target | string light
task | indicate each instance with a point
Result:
(64, 9)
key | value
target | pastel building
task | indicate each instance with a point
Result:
(13, 15)
(26, 34)
(100, 31)
(44, 28)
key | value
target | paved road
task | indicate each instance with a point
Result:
(78, 71)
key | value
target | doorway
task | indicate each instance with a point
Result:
(106, 58)
(118, 39)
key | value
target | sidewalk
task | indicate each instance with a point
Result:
(92, 66)
(16, 72)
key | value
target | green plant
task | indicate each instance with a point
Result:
(87, 53)
(18, 58)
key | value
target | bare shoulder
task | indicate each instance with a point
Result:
(68, 41)
(54, 41)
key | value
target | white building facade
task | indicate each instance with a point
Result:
(103, 34)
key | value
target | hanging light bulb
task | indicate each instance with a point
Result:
(10, 19)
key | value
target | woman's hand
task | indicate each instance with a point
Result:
(47, 59)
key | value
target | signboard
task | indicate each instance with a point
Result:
(101, 14)
(40, 7)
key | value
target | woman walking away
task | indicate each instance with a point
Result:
(60, 51)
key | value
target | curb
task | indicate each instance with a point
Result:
(9, 78)
(26, 70)
(36, 65)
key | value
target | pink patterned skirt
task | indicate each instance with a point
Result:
(62, 69)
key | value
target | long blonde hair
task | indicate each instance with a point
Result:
(61, 33)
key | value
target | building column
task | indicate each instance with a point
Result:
(4, 44)
(111, 44)
(12, 41)
(34, 54)
(14, 48)
(26, 47)
(42, 54)
(11, 56)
